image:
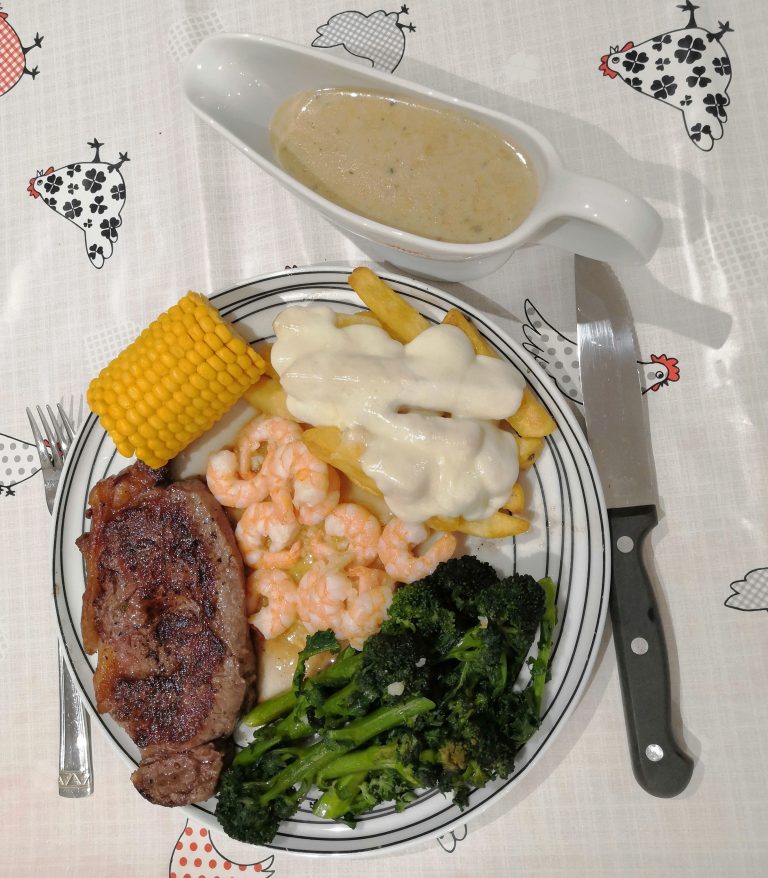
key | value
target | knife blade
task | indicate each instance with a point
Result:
(619, 436)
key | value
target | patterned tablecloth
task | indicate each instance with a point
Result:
(94, 130)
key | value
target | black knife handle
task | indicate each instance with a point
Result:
(661, 767)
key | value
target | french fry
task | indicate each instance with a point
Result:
(356, 318)
(454, 317)
(516, 502)
(500, 524)
(267, 396)
(531, 420)
(528, 450)
(329, 445)
(402, 321)
(264, 349)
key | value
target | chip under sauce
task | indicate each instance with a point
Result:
(415, 166)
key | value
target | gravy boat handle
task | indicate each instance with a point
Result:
(597, 219)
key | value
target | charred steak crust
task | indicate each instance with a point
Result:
(164, 606)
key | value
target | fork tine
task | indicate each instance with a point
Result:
(56, 455)
(42, 449)
(60, 431)
(69, 427)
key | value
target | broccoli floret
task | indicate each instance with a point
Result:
(417, 607)
(393, 667)
(457, 582)
(255, 797)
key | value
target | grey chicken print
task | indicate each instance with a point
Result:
(559, 357)
(687, 69)
(378, 37)
(91, 195)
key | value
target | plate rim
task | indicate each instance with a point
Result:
(577, 434)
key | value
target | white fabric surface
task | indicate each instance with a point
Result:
(199, 215)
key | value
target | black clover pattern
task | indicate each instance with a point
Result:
(52, 184)
(635, 61)
(698, 131)
(87, 223)
(72, 188)
(72, 209)
(95, 250)
(715, 104)
(93, 180)
(722, 66)
(661, 63)
(686, 101)
(51, 202)
(690, 49)
(109, 228)
(697, 77)
(660, 41)
(118, 192)
(97, 205)
(635, 82)
(72, 170)
(664, 87)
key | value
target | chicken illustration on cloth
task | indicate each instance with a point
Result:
(202, 854)
(559, 357)
(89, 194)
(378, 37)
(13, 56)
(18, 462)
(688, 69)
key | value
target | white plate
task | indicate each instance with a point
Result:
(567, 541)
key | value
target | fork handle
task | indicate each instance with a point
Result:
(75, 774)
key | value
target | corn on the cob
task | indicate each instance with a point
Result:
(179, 377)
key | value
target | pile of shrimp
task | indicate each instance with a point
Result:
(313, 558)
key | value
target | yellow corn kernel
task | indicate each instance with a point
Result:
(179, 377)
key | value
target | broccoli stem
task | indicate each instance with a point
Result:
(382, 720)
(336, 801)
(270, 709)
(338, 673)
(540, 666)
(373, 758)
(339, 741)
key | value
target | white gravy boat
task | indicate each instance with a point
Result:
(235, 82)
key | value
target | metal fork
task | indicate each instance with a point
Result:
(75, 771)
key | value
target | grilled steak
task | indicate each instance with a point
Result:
(164, 606)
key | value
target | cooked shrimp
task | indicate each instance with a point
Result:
(352, 602)
(314, 486)
(398, 539)
(228, 487)
(356, 529)
(368, 608)
(279, 613)
(264, 532)
(264, 430)
(323, 593)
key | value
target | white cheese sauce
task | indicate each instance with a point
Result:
(425, 410)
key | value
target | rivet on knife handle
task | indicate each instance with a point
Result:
(660, 765)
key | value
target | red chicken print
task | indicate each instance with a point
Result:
(688, 69)
(13, 56)
(197, 854)
(559, 357)
(378, 37)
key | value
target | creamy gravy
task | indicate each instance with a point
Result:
(425, 410)
(421, 168)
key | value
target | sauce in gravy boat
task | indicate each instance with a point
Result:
(236, 83)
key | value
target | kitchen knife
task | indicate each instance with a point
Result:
(619, 436)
